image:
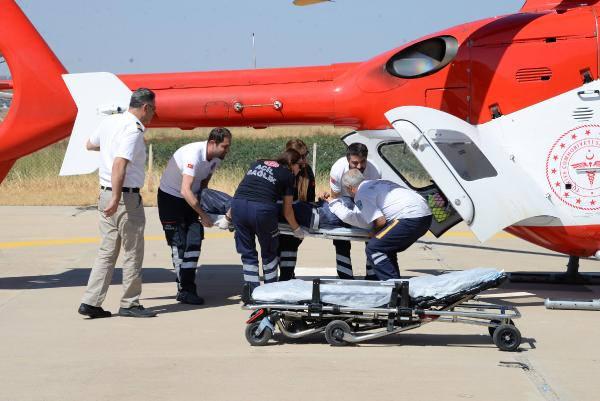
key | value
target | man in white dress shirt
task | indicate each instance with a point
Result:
(120, 141)
(397, 215)
(188, 172)
(356, 157)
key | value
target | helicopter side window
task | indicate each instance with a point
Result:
(466, 158)
(423, 58)
(405, 164)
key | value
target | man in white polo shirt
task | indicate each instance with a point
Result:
(356, 157)
(120, 140)
(188, 172)
(397, 215)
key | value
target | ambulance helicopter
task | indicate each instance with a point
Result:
(502, 113)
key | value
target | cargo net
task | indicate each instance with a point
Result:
(439, 207)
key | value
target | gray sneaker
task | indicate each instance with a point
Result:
(136, 311)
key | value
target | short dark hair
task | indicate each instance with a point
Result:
(140, 97)
(219, 134)
(357, 149)
(288, 157)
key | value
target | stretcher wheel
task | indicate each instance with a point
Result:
(334, 333)
(255, 339)
(492, 329)
(507, 337)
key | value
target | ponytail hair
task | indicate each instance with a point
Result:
(302, 179)
(288, 157)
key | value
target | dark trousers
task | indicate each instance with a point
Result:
(184, 234)
(343, 263)
(396, 236)
(256, 220)
(288, 255)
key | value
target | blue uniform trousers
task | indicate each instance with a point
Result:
(184, 235)
(394, 237)
(256, 219)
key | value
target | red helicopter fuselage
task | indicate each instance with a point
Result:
(500, 66)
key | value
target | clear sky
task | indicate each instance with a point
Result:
(129, 36)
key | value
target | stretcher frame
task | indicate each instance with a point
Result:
(341, 233)
(350, 325)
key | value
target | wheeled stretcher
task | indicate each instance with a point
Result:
(352, 311)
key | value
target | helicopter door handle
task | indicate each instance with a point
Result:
(589, 94)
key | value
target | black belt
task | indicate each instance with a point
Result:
(123, 189)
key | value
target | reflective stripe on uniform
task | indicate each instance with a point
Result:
(271, 276)
(250, 268)
(288, 254)
(189, 265)
(386, 230)
(175, 255)
(343, 259)
(344, 270)
(191, 254)
(251, 279)
(287, 263)
(271, 265)
(379, 259)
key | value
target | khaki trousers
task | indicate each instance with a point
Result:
(125, 228)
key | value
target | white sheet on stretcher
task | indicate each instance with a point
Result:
(371, 294)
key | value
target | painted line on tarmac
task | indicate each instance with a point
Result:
(92, 240)
(87, 240)
(539, 381)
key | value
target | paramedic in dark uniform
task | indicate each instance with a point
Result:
(356, 157)
(304, 191)
(254, 212)
(120, 141)
(399, 217)
(188, 172)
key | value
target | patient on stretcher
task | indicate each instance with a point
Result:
(311, 216)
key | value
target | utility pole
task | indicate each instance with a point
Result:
(253, 51)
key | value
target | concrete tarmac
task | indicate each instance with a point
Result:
(49, 352)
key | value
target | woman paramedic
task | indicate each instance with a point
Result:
(304, 191)
(254, 212)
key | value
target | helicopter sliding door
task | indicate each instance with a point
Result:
(397, 163)
(481, 182)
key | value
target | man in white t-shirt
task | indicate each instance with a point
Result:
(397, 215)
(356, 157)
(187, 174)
(120, 141)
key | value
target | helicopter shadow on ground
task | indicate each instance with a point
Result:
(220, 285)
(415, 339)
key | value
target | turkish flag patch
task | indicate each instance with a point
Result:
(332, 180)
(190, 165)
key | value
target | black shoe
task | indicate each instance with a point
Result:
(93, 311)
(136, 311)
(188, 297)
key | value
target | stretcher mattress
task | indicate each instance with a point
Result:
(423, 290)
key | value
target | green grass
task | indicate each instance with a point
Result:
(40, 170)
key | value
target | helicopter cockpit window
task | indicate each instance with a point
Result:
(464, 156)
(423, 58)
(402, 160)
